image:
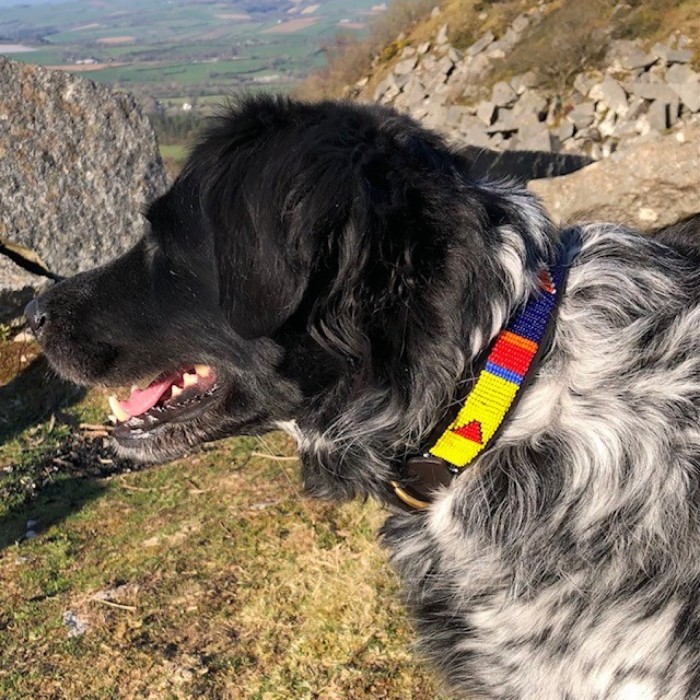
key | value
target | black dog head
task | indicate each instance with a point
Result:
(311, 263)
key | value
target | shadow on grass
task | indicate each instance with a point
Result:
(47, 486)
(56, 501)
(32, 395)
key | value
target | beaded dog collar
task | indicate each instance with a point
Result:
(508, 367)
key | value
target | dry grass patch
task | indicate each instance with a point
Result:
(211, 577)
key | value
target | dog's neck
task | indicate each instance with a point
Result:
(354, 443)
(504, 373)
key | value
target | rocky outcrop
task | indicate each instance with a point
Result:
(78, 161)
(652, 185)
(639, 94)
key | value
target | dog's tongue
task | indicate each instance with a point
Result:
(141, 400)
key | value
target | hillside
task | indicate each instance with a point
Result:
(572, 35)
(559, 75)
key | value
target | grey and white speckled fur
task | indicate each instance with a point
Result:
(565, 563)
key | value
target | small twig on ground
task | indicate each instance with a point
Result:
(359, 652)
(113, 605)
(196, 488)
(275, 458)
(94, 434)
(294, 486)
(129, 487)
(96, 427)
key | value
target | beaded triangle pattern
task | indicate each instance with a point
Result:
(507, 365)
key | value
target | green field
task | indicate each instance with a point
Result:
(175, 49)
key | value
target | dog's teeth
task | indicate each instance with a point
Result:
(176, 391)
(134, 388)
(117, 410)
(202, 370)
(189, 380)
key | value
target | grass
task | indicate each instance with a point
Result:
(210, 577)
(174, 157)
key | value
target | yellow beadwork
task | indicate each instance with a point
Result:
(487, 404)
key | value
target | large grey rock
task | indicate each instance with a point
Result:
(506, 122)
(387, 89)
(474, 134)
(486, 112)
(611, 94)
(455, 114)
(533, 137)
(531, 103)
(659, 115)
(414, 92)
(652, 91)
(445, 66)
(565, 131)
(78, 162)
(669, 55)
(582, 115)
(406, 66)
(629, 55)
(680, 73)
(503, 94)
(651, 184)
(480, 44)
(689, 94)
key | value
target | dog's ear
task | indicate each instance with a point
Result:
(261, 280)
(262, 276)
(245, 200)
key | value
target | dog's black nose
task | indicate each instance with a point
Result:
(36, 316)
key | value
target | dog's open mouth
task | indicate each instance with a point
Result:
(168, 398)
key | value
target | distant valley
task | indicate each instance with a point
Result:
(178, 55)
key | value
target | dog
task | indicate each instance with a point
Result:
(333, 270)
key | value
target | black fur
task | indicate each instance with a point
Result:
(343, 271)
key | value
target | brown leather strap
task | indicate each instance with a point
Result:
(424, 475)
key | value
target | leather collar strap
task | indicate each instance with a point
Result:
(508, 368)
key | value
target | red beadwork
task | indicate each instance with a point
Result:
(510, 356)
(471, 431)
